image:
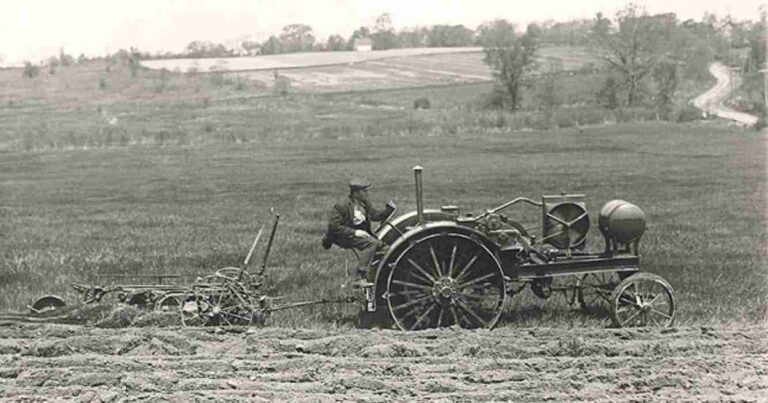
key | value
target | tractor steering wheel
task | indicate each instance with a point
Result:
(386, 221)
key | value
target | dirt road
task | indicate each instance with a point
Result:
(58, 362)
(712, 101)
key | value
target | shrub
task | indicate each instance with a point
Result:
(687, 113)
(239, 84)
(635, 114)
(607, 96)
(30, 70)
(422, 103)
(161, 83)
(762, 118)
(218, 79)
(102, 83)
(282, 85)
(134, 65)
(494, 100)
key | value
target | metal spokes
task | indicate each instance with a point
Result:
(644, 299)
(216, 304)
(594, 290)
(445, 280)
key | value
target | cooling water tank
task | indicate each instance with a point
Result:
(621, 221)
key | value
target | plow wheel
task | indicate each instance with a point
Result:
(47, 303)
(216, 302)
(168, 302)
(140, 299)
(593, 290)
(444, 280)
(93, 294)
(247, 279)
(643, 299)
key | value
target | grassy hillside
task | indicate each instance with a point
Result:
(100, 104)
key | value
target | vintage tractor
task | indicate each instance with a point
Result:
(443, 268)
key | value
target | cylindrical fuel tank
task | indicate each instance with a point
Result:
(622, 221)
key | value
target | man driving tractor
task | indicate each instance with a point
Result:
(349, 227)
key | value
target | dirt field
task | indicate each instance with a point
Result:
(294, 60)
(58, 362)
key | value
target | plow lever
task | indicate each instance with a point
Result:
(269, 245)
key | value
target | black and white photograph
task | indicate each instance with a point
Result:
(375, 201)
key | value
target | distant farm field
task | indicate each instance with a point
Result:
(293, 60)
(359, 71)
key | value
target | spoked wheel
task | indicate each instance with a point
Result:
(47, 303)
(225, 304)
(643, 299)
(443, 280)
(93, 294)
(140, 299)
(593, 290)
(230, 274)
(168, 302)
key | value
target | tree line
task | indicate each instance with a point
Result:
(301, 38)
(645, 57)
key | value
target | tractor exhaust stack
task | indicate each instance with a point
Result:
(419, 194)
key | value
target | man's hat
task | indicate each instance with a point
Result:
(359, 183)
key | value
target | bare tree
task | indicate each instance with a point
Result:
(384, 36)
(509, 55)
(633, 48)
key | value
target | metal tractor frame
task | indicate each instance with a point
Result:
(444, 269)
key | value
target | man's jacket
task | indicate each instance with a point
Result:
(341, 229)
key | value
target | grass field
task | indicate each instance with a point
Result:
(67, 215)
(99, 104)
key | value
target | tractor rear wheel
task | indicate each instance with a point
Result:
(446, 279)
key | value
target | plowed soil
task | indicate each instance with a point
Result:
(43, 362)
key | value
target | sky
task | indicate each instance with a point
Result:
(36, 29)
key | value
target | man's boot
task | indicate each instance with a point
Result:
(362, 281)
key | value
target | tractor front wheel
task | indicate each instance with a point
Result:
(643, 299)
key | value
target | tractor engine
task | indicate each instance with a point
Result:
(500, 229)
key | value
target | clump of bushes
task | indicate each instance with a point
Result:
(422, 103)
(762, 121)
(686, 113)
(282, 85)
(30, 70)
